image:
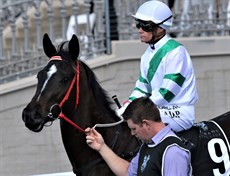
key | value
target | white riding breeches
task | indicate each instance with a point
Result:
(179, 118)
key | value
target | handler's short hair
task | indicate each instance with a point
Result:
(140, 109)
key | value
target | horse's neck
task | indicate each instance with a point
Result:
(91, 101)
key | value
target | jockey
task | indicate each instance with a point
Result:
(166, 71)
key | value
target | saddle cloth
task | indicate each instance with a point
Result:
(211, 157)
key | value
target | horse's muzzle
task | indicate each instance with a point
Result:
(35, 121)
(32, 119)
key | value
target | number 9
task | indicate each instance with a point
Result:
(218, 159)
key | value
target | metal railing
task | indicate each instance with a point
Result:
(23, 23)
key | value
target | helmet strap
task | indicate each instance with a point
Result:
(156, 36)
(164, 20)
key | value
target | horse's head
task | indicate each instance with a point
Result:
(68, 88)
(54, 81)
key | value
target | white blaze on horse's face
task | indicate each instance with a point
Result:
(52, 71)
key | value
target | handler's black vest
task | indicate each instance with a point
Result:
(150, 160)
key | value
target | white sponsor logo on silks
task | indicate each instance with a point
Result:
(144, 164)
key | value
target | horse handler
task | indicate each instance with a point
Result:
(162, 152)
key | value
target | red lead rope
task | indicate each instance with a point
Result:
(75, 80)
(71, 122)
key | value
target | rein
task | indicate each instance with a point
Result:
(75, 80)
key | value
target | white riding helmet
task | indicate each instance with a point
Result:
(155, 11)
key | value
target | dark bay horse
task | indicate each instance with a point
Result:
(67, 88)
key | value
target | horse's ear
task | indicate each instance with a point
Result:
(74, 47)
(48, 46)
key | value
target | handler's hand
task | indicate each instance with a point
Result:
(94, 139)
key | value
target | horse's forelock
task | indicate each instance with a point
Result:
(63, 50)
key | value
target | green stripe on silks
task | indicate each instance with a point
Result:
(177, 78)
(143, 80)
(132, 98)
(138, 89)
(156, 60)
(168, 95)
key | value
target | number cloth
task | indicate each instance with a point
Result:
(214, 151)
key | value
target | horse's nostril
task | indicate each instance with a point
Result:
(27, 114)
(24, 116)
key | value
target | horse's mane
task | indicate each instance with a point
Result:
(101, 96)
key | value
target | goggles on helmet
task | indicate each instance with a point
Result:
(146, 26)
